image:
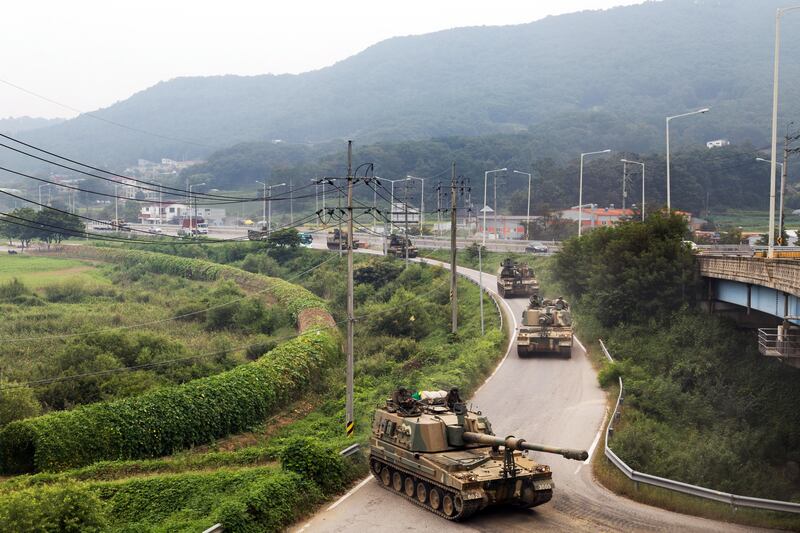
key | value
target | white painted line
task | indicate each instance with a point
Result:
(596, 438)
(350, 493)
(306, 526)
(580, 344)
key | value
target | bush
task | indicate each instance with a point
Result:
(308, 457)
(17, 402)
(270, 505)
(13, 289)
(66, 508)
(169, 419)
(75, 291)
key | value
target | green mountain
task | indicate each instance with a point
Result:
(13, 125)
(622, 69)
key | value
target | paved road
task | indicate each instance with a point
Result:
(549, 400)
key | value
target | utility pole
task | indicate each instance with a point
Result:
(453, 273)
(350, 423)
(291, 203)
(624, 184)
(439, 209)
(783, 185)
(480, 282)
(405, 241)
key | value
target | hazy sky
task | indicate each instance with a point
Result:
(90, 53)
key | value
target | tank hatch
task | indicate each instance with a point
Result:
(460, 460)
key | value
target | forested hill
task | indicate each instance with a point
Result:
(17, 124)
(630, 66)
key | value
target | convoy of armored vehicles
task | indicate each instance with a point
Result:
(516, 280)
(337, 240)
(432, 450)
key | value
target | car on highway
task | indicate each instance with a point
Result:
(536, 249)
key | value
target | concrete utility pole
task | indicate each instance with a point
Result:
(405, 201)
(291, 203)
(624, 184)
(480, 282)
(453, 273)
(641, 164)
(264, 206)
(350, 425)
(783, 182)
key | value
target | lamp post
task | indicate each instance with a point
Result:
(422, 202)
(485, 206)
(699, 111)
(269, 212)
(391, 207)
(528, 216)
(773, 160)
(192, 222)
(264, 207)
(580, 188)
(628, 161)
(783, 186)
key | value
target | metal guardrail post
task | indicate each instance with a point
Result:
(679, 486)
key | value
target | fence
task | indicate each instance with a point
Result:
(701, 492)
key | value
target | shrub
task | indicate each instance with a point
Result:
(169, 419)
(13, 289)
(71, 507)
(75, 291)
(16, 402)
(308, 457)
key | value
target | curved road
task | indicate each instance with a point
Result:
(545, 399)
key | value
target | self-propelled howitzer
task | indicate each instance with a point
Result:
(442, 456)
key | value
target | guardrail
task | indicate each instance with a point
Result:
(678, 486)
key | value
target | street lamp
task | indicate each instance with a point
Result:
(391, 207)
(192, 223)
(699, 111)
(269, 212)
(783, 187)
(642, 164)
(264, 208)
(422, 203)
(580, 188)
(528, 216)
(485, 206)
(780, 12)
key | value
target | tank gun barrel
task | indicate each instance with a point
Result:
(515, 443)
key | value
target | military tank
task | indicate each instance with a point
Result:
(338, 240)
(546, 328)
(516, 280)
(398, 245)
(438, 454)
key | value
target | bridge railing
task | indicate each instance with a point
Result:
(778, 342)
(678, 486)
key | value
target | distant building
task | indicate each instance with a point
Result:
(399, 212)
(597, 216)
(719, 143)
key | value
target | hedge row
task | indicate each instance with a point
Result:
(293, 297)
(167, 420)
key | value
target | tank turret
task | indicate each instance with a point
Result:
(445, 457)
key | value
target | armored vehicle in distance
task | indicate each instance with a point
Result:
(546, 328)
(516, 279)
(438, 454)
(398, 245)
(337, 239)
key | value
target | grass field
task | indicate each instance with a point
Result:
(36, 272)
(752, 220)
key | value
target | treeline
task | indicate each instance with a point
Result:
(703, 181)
(702, 406)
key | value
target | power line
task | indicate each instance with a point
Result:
(107, 121)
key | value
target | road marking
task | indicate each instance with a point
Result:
(350, 493)
(580, 344)
(306, 526)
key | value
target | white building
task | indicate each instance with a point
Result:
(398, 214)
(165, 213)
(719, 143)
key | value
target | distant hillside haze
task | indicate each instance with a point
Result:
(625, 68)
(13, 125)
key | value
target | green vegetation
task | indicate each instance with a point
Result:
(701, 405)
(47, 225)
(36, 271)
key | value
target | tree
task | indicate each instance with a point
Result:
(19, 224)
(56, 226)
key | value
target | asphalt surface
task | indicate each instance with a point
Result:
(549, 400)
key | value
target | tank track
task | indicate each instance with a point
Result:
(468, 509)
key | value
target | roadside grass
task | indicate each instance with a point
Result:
(752, 220)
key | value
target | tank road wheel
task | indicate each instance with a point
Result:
(397, 481)
(422, 492)
(448, 507)
(435, 498)
(458, 503)
(408, 485)
(386, 476)
(376, 467)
